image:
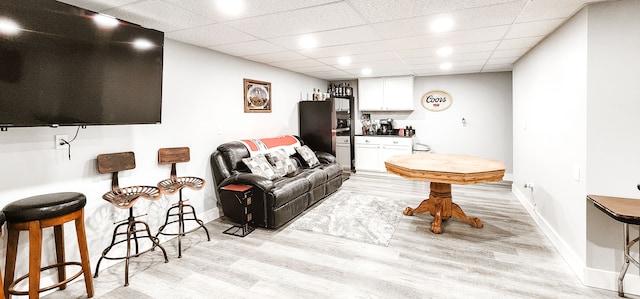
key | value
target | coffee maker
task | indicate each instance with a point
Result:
(386, 126)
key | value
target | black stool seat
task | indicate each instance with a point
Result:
(33, 215)
(44, 206)
(2, 219)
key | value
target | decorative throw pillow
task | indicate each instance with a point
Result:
(308, 155)
(259, 165)
(281, 162)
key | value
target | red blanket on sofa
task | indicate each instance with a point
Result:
(265, 145)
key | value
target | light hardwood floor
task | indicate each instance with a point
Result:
(508, 258)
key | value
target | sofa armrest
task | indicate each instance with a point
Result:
(325, 158)
(248, 179)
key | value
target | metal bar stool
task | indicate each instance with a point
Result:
(33, 214)
(175, 184)
(125, 198)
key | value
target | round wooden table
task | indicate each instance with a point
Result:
(443, 170)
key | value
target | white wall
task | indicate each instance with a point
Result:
(612, 143)
(549, 135)
(483, 100)
(574, 111)
(202, 108)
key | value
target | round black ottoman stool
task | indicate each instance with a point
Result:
(33, 214)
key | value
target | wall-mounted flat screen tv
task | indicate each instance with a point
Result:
(63, 65)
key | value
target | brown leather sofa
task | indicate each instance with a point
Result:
(275, 201)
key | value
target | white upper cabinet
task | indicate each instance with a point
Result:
(370, 94)
(385, 94)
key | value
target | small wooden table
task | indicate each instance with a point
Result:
(443, 170)
(627, 211)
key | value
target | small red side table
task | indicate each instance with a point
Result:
(243, 193)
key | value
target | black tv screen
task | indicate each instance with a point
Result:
(63, 65)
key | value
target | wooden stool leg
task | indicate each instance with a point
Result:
(58, 232)
(84, 254)
(35, 258)
(10, 262)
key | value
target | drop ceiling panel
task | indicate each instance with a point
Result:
(298, 64)
(251, 8)
(533, 28)
(312, 69)
(488, 16)
(389, 36)
(457, 49)
(275, 57)
(249, 48)
(307, 20)
(331, 75)
(394, 64)
(210, 35)
(539, 10)
(329, 38)
(452, 58)
(509, 53)
(497, 68)
(516, 43)
(436, 71)
(503, 60)
(369, 57)
(383, 10)
(98, 5)
(158, 15)
(449, 39)
(347, 49)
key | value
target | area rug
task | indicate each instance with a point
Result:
(355, 216)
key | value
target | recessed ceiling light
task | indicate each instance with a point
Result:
(142, 44)
(105, 21)
(444, 51)
(231, 7)
(442, 24)
(445, 66)
(344, 60)
(307, 42)
(8, 27)
(366, 71)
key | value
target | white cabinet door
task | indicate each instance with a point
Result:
(385, 94)
(398, 93)
(370, 94)
(366, 153)
(392, 146)
(343, 151)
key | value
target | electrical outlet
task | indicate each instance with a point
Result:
(60, 144)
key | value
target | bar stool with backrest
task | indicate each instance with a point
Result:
(32, 214)
(175, 184)
(125, 198)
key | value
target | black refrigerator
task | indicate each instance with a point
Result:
(318, 124)
(321, 122)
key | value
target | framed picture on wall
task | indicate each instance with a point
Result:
(257, 96)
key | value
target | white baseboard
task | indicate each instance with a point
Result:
(608, 280)
(575, 263)
(210, 215)
(596, 278)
